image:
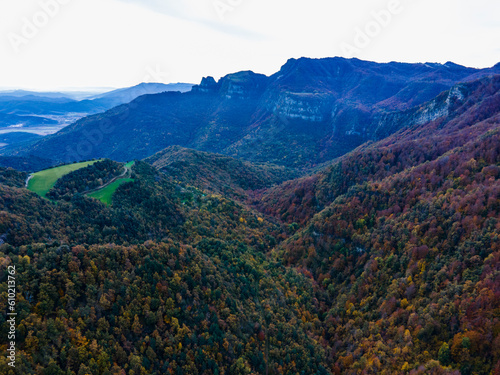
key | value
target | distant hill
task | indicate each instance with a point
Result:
(218, 173)
(308, 113)
(126, 95)
(38, 94)
(7, 120)
(26, 163)
(18, 138)
(26, 102)
(24, 109)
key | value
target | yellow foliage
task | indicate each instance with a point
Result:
(407, 336)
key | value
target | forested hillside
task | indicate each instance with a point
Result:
(469, 117)
(218, 173)
(407, 246)
(177, 280)
(385, 261)
(410, 265)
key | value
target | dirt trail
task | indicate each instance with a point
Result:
(123, 175)
(28, 180)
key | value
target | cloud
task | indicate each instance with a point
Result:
(172, 8)
(190, 10)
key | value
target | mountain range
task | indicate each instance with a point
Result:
(337, 217)
(308, 113)
(45, 113)
(28, 102)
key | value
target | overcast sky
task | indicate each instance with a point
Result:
(118, 43)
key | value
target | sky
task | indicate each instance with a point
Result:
(72, 44)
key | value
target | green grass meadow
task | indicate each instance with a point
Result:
(105, 195)
(43, 181)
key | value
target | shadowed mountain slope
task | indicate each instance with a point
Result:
(310, 112)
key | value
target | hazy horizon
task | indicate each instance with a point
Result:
(51, 45)
(97, 90)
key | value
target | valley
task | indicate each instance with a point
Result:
(338, 217)
(46, 113)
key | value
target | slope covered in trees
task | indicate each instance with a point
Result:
(469, 116)
(416, 256)
(25, 164)
(407, 252)
(12, 177)
(218, 173)
(177, 280)
(385, 262)
(160, 308)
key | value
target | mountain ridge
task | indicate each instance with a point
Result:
(218, 174)
(322, 108)
(460, 120)
(385, 261)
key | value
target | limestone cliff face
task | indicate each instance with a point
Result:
(307, 107)
(309, 112)
(235, 90)
(438, 108)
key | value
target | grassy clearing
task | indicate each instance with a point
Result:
(43, 181)
(105, 194)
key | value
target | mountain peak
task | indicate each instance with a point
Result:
(241, 84)
(208, 82)
(335, 103)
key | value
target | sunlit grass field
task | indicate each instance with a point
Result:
(105, 194)
(41, 182)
